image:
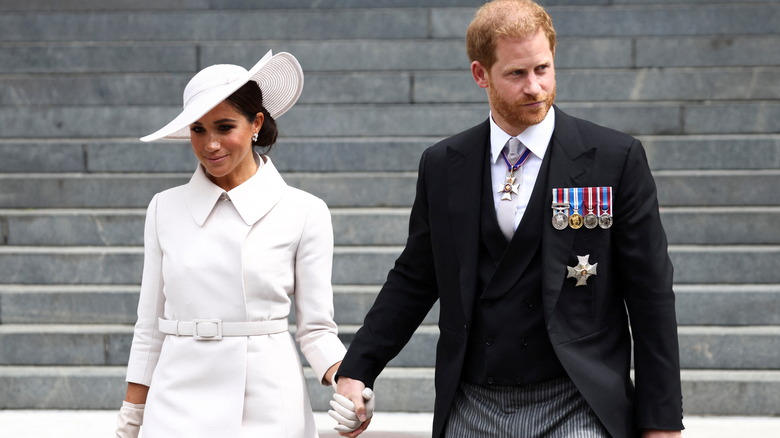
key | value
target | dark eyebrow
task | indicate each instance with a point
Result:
(216, 122)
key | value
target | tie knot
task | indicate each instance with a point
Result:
(513, 148)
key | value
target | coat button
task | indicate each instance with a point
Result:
(529, 303)
(489, 341)
(490, 380)
(524, 342)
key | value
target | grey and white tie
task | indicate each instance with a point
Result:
(507, 206)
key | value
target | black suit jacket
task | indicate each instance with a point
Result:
(588, 325)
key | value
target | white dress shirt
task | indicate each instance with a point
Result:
(536, 138)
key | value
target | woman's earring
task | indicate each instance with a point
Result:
(254, 137)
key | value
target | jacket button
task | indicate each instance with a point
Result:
(490, 380)
(489, 341)
(529, 303)
(524, 342)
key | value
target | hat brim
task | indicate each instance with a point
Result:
(279, 76)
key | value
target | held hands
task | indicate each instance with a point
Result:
(344, 411)
(353, 406)
(129, 420)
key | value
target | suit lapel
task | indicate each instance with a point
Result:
(571, 162)
(465, 162)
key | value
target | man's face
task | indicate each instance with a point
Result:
(521, 83)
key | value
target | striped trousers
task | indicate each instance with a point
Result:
(553, 409)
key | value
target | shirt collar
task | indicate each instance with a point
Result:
(253, 198)
(536, 137)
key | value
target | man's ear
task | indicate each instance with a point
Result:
(480, 74)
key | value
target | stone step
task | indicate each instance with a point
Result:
(366, 226)
(356, 23)
(369, 120)
(340, 55)
(574, 85)
(217, 25)
(721, 225)
(726, 392)
(722, 305)
(58, 344)
(711, 347)
(697, 304)
(68, 304)
(705, 392)
(605, 85)
(124, 227)
(366, 154)
(653, 19)
(365, 265)
(704, 152)
(143, 5)
(715, 188)
(116, 304)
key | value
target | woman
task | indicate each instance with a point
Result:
(223, 256)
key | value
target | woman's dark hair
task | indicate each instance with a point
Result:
(248, 100)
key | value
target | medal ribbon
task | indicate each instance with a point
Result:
(520, 161)
(588, 200)
(576, 196)
(606, 200)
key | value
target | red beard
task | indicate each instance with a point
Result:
(515, 113)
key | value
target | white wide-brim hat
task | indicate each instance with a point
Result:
(279, 77)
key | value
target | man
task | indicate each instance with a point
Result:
(534, 309)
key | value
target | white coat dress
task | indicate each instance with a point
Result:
(236, 256)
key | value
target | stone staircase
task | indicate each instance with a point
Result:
(697, 81)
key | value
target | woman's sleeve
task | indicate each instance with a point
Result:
(147, 340)
(317, 333)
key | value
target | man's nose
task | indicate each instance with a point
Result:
(533, 87)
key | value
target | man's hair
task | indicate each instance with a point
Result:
(510, 18)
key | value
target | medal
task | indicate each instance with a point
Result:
(575, 219)
(560, 206)
(591, 220)
(509, 187)
(559, 220)
(576, 207)
(582, 271)
(511, 183)
(605, 207)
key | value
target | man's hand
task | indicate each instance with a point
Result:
(653, 433)
(353, 406)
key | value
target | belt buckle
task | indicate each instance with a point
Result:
(207, 329)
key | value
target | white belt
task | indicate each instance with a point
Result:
(215, 329)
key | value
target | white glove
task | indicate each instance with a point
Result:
(344, 411)
(129, 420)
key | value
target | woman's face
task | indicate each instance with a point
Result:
(222, 142)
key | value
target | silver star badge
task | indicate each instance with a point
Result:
(510, 186)
(582, 271)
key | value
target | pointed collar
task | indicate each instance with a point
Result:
(535, 137)
(252, 199)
